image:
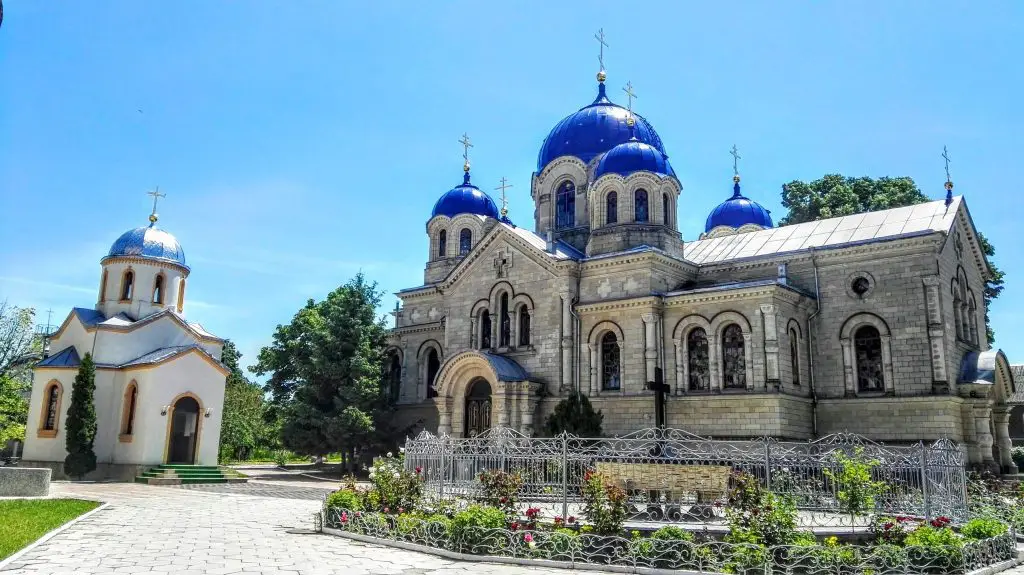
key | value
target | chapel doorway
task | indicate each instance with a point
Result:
(184, 431)
(478, 407)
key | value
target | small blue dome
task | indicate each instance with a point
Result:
(593, 130)
(738, 211)
(149, 242)
(633, 156)
(465, 199)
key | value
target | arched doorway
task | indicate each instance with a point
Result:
(184, 434)
(478, 407)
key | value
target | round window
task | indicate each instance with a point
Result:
(860, 285)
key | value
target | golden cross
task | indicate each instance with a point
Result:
(465, 149)
(156, 196)
(945, 156)
(735, 160)
(504, 200)
(630, 94)
(600, 40)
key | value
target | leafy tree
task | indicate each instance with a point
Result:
(575, 415)
(81, 425)
(244, 407)
(13, 409)
(833, 195)
(19, 347)
(326, 372)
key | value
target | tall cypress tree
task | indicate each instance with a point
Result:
(81, 424)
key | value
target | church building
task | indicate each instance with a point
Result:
(159, 380)
(870, 323)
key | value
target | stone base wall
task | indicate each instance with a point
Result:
(103, 471)
(419, 416)
(894, 419)
(24, 482)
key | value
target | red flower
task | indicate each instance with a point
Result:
(514, 526)
(419, 469)
(572, 519)
(888, 525)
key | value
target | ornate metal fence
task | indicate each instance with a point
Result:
(675, 476)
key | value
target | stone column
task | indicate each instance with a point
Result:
(887, 365)
(771, 345)
(405, 381)
(715, 363)
(595, 375)
(681, 367)
(748, 359)
(527, 408)
(982, 430)
(650, 345)
(567, 331)
(474, 340)
(936, 333)
(444, 410)
(1001, 422)
(513, 329)
(495, 329)
(499, 405)
(851, 383)
(586, 378)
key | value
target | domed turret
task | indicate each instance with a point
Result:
(149, 242)
(465, 199)
(738, 211)
(594, 130)
(633, 156)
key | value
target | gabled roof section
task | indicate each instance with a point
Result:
(67, 357)
(869, 227)
(119, 320)
(165, 354)
(88, 317)
(506, 368)
(563, 251)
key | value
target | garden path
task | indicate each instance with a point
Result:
(259, 529)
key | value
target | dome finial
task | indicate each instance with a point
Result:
(735, 170)
(504, 200)
(630, 121)
(153, 217)
(949, 182)
(601, 76)
(466, 145)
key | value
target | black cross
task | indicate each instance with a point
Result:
(660, 389)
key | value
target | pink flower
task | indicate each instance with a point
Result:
(344, 517)
(387, 510)
(401, 510)
(528, 537)
(419, 470)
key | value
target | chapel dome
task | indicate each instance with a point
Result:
(633, 156)
(149, 242)
(595, 129)
(465, 199)
(738, 211)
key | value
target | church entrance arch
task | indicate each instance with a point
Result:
(183, 435)
(478, 407)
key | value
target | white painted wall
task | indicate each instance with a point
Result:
(141, 303)
(121, 346)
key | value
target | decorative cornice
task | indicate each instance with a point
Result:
(624, 303)
(416, 328)
(161, 263)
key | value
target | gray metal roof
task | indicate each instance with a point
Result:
(66, 357)
(563, 251)
(160, 355)
(868, 227)
(88, 316)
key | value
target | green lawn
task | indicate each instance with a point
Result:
(23, 521)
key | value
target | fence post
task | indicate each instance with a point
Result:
(924, 483)
(565, 475)
(443, 471)
(767, 463)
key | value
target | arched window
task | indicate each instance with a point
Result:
(433, 364)
(394, 377)
(442, 244)
(485, 330)
(640, 206)
(158, 289)
(51, 410)
(103, 287)
(697, 360)
(613, 207)
(666, 214)
(524, 325)
(867, 348)
(734, 369)
(610, 365)
(128, 409)
(565, 205)
(127, 283)
(181, 296)
(505, 329)
(465, 241)
(794, 355)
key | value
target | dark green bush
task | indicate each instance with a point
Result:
(346, 499)
(576, 416)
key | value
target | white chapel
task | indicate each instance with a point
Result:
(159, 380)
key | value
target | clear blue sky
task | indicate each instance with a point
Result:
(300, 142)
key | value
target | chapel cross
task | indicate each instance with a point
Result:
(466, 145)
(660, 389)
(736, 157)
(502, 263)
(600, 40)
(630, 94)
(945, 156)
(156, 197)
(504, 201)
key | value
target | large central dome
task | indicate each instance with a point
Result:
(594, 130)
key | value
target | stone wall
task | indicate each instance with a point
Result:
(24, 482)
(894, 419)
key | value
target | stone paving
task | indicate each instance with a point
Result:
(251, 529)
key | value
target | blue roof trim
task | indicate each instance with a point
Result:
(980, 367)
(738, 211)
(149, 242)
(633, 156)
(88, 316)
(573, 253)
(505, 368)
(67, 357)
(465, 199)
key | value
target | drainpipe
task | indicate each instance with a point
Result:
(810, 347)
(577, 341)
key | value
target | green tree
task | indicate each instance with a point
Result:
(833, 195)
(326, 370)
(244, 407)
(13, 409)
(575, 415)
(81, 423)
(19, 346)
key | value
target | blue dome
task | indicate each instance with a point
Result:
(738, 211)
(593, 130)
(465, 199)
(633, 156)
(149, 242)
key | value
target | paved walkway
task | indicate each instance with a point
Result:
(250, 529)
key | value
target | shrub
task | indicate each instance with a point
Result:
(672, 533)
(935, 550)
(469, 529)
(575, 415)
(983, 528)
(1018, 457)
(346, 499)
(280, 457)
(757, 516)
(604, 504)
(500, 490)
(856, 490)
(394, 490)
(892, 530)
(562, 544)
